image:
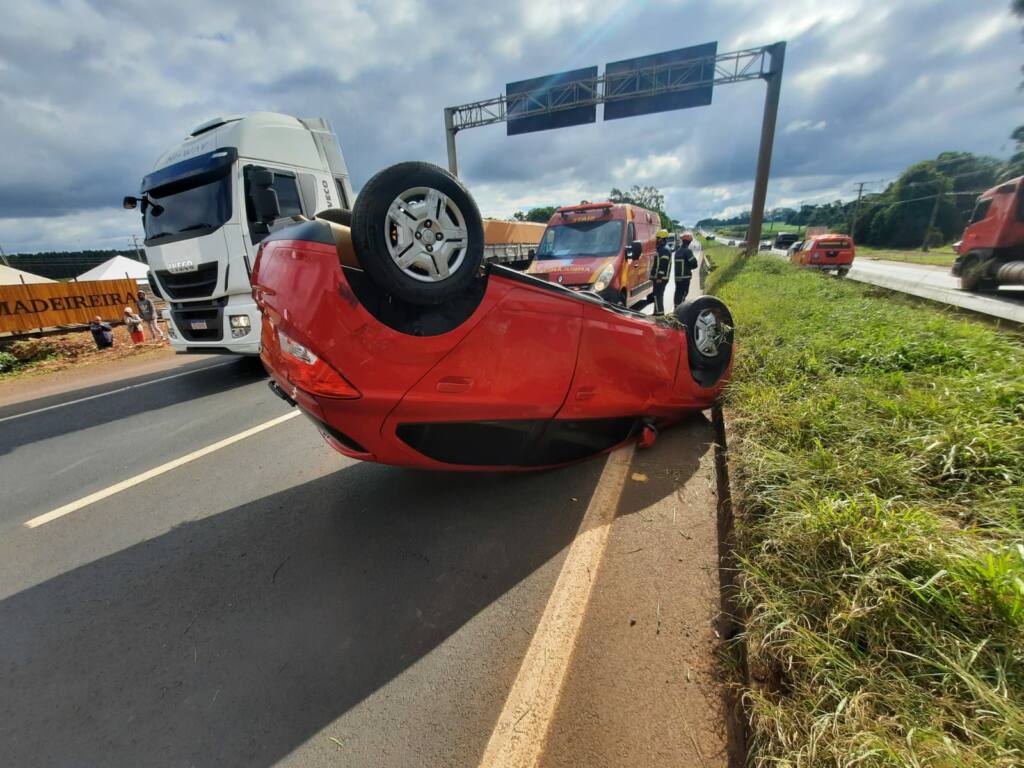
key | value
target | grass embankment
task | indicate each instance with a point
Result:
(942, 256)
(878, 457)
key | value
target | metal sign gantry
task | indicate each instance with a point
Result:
(704, 72)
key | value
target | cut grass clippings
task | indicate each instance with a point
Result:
(877, 453)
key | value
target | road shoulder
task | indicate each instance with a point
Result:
(643, 688)
(72, 379)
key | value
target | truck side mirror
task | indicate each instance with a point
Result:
(266, 206)
(130, 203)
(634, 250)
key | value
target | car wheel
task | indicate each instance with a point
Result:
(842, 272)
(709, 332)
(418, 234)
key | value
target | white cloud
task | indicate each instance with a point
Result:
(92, 91)
(806, 125)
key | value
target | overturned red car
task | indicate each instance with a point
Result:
(384, 326)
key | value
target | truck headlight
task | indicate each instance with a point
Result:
(605, 278)
(239, 325)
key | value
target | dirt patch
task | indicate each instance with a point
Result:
(75, 349)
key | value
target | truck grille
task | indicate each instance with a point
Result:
(189, 285)
(210, 313)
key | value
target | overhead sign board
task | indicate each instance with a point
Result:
(660, 82)
(551, 101)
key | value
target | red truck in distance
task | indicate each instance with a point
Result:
(991, 252)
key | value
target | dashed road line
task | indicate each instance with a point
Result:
(131, 482)
(114, 391)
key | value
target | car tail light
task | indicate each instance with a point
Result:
(311, 374)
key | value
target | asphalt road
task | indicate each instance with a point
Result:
(271, 603)
(938, 284)
(935, 283)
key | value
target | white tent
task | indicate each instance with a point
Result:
(12, 276)
(115, 269)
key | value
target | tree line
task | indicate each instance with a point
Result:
(931, 202)
(62, 265)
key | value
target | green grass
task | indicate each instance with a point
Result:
(740, 230)
(878, 459)
(941, 255)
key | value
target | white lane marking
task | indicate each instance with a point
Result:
(521, 731)
(92, 498)
(115, 391)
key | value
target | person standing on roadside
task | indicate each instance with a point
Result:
(102, 333)
(148, 313)
(685, 263)
(659, 270)
(134, 324)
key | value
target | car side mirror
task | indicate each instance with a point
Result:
(634, 250)
(130, 203)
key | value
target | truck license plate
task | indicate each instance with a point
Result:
(198, 325)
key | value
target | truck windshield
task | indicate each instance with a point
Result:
(582, 240)
(189, 211)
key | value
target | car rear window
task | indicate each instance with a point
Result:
(834, 243)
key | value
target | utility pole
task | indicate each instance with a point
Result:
(931, 219)
(856, 209)
(138, 251)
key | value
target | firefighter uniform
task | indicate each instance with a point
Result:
(685, 263)
(660, 271)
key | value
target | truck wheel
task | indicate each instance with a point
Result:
(842, 272)
(709, 332)
(972, 274)
(418, 234)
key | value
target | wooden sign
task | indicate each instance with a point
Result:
(45, 305)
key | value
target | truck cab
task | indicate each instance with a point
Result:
(991, 252)
(607, 248)
(203, 221)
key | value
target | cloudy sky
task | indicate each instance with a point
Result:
(92, 92)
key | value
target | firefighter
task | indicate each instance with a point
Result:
(660, 268)
(685, 263)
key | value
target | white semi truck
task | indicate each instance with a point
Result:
(212, 199)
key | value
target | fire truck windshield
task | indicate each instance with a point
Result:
(581, 240)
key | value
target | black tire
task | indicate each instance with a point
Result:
(423, 285)
(842, 272)
(709, 354)
(972, 274)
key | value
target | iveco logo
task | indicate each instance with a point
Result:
(186, 265)
(561, 277)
